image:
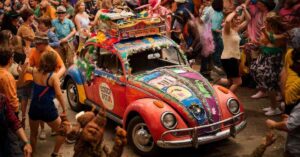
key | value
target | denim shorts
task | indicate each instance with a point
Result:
(25, 92)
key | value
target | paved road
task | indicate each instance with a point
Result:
(241, 146)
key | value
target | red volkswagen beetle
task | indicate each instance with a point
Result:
(146, 85)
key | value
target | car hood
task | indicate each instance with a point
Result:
(188, 92)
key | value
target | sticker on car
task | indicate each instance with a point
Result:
(106, 96)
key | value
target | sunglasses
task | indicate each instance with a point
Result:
(60, 12)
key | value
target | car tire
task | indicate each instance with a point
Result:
(138, 126)
(72, 96)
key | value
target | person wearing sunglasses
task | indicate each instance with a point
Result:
(65, 30)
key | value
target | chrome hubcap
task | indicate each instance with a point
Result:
(142, 138)
(72, 94)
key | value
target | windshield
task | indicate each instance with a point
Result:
(152, 59)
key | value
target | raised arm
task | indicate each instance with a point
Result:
(228, 22)
(247, 18)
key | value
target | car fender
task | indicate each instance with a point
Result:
(74, 74)
(223, 94)
(151, 114)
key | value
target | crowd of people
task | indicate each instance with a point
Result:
(249, 40)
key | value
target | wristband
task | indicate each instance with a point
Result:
(27, 142)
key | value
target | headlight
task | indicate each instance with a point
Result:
(168, 120)
(233, 106)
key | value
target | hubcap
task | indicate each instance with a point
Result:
(142, 139)
(72, 94)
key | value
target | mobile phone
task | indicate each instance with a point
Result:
(19, 58)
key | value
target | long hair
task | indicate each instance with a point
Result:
(77, 5)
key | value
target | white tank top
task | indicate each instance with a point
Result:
(231, 43)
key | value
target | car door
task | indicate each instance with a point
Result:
(85, 56)
(110, 90)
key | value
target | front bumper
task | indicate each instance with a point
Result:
(195, 140)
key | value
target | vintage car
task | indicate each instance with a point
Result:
(145, 84)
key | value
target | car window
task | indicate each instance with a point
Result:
(109, 62)
(152, 58)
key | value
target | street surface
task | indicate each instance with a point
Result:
(241, 146)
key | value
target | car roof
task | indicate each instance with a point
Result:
(136, 45)
(126, 47)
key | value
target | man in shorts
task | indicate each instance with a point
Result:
(65, 31)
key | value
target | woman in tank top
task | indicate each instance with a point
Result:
(82, 23)
(235, 22)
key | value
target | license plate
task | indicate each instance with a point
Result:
(140, 33)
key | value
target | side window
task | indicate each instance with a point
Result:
(109, 63)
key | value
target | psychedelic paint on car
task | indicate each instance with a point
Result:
(146, 85)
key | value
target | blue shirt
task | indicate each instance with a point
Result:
(63, 29)
(53, 40)
(216, 20)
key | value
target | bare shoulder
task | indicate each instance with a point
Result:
(54, 77)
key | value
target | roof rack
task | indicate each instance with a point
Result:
(127, 25)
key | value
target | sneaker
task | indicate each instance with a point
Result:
(273, 112)
(267, 109)
(259, 95)
(42, 135)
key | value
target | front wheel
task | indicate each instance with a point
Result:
(140, 138)
(73, 96)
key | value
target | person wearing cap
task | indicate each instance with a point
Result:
(65, 31)
(41, 42)
(47, 10)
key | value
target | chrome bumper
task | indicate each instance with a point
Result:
(195, 140)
